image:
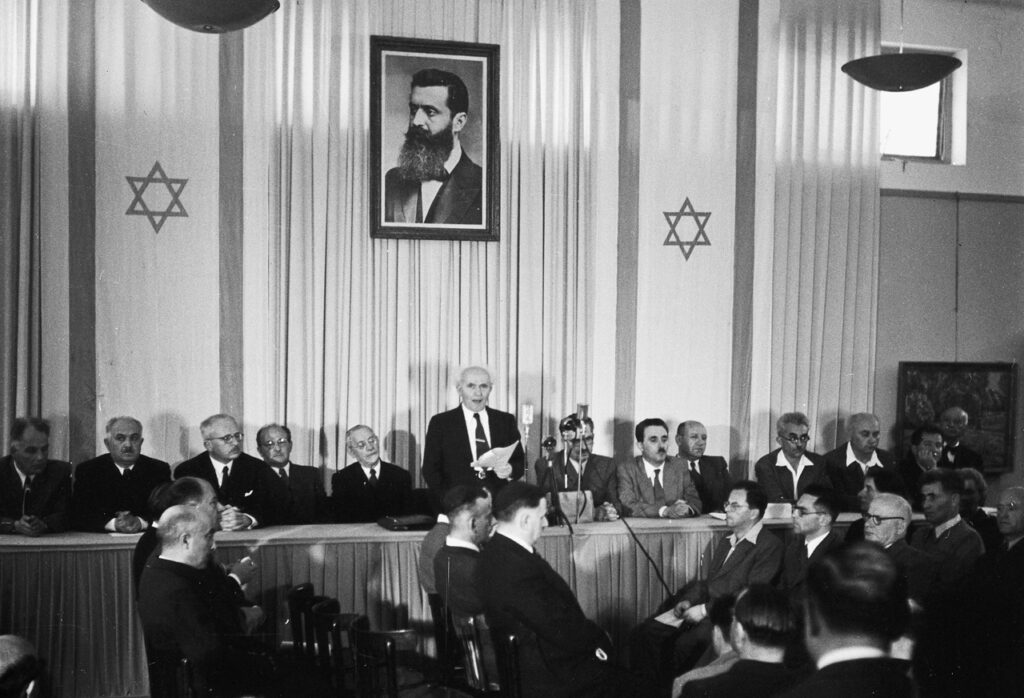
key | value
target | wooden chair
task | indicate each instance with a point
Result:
(376, 660)
(449, 654)
(482, 675)
(506, 647)
(333, 642)
(301, 600)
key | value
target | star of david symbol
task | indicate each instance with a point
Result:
(699, 217)
(156, 216)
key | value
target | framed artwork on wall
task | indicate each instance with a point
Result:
(986, 391)
(434, 139)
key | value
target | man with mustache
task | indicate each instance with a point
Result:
(112, 490)
(435, 181)
(653, 485)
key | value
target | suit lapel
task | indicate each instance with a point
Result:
(646, 486)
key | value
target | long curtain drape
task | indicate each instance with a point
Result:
(817, 218)
(344, 329)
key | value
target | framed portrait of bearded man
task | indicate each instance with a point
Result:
(434, 132)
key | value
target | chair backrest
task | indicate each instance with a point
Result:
(481, 663)
(375, 655)
(173, 676)
(298, 596)
(322, 614)
(506, 647)
(449, 652)
(333, 640)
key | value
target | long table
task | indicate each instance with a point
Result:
(72, 594)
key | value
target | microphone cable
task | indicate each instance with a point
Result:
(647, 555)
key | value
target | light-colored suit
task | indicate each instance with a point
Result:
(636, 491)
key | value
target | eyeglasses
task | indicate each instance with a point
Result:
(271, 444)
(794, 439)
(372, 441)
(237, 437)
(876, 520)
(735, 506)
(1009, 506)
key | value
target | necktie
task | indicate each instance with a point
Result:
(482, 446)
(25, 494)
(659, 491)
(373, 477)
(283, 474)
(126, 474)
(224, 475)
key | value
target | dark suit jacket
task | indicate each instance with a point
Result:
(522, 594)
(748, 564)
(458, 201)
(919, 569)
(795, 561)
(744, 678)
(778, 482)
(49, 494)
(636, 491)
(848, 479)
(859, 678)
(599, 476)
(101, 491)
(910, 475)
(455, 573)
(304, 500)
(249, 487)
(986, 527)
(355, 501)
(997, 615)
(184, 615)
(961, 456)
(714, 482)
(447, 452)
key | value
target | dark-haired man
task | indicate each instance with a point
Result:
(924, 455)
(710, 474)
(435, 181)
(112, 491)
(971, 502)
(763, 625)
(751, 554)
(299, 497)
(35, 492)
(787, 471)
(469, 511)
(851, 462)
(562, 471)
(856, 606)
(653, 485)
(813, 516)
(561, 652)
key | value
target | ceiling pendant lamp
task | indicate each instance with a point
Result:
(213, 16)
(902, 71)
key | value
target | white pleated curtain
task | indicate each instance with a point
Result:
(342, 329)
(817, 219)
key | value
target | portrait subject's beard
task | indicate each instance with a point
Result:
(423, 155)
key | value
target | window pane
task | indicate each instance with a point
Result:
(910, 122)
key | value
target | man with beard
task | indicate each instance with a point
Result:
(435, 181)
(112, 490)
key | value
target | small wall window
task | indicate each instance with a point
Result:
(919, 125)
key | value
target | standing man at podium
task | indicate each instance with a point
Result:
(456, 439)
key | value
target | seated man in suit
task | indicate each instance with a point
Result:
(924, 455)
(749, 555)
(710, 474)
(180, 617)
(850, 463)
(787, 471)
(953, 422)
(561, 652)
(469, 511)
(21, 669)
(300, 498)
(763, 626)
(886, 524)
(856, 605)
(242, 483)
(112, 491)
(457, 439)
(35, 492)
(653, 485)
(813, 516)
(562, 471)
(369, 488)
(971, 502)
